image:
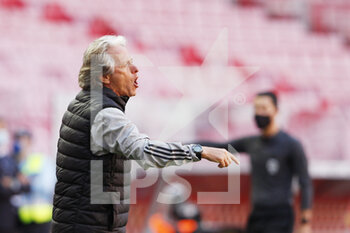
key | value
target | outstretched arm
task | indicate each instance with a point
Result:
(112, 132)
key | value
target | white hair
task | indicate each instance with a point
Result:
(97, 60)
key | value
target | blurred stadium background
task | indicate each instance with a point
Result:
(301, 47)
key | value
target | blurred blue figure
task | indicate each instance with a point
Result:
(12, 182)
(35, 207)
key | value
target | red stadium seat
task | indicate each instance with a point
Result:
(13, 4)
(99, 27)
(55, 12)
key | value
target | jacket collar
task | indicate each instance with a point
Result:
(120, 100)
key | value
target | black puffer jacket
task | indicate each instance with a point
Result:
(73, 211)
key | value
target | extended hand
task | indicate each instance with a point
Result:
(221, 156)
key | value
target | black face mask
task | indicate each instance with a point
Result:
(262, 121)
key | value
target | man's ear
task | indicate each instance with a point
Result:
(105, 79)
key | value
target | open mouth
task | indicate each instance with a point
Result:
(136, 84)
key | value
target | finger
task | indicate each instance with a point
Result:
(228, 161)
(222, 163)
(234, 159)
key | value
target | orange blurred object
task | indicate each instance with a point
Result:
(159, 225)
(187, 226)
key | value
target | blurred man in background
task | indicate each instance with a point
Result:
(12, 182)
(95, 129)
(34, 207)
(275, 158)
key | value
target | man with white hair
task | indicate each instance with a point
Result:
(96, 131)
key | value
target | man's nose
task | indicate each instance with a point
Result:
(134, 69)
